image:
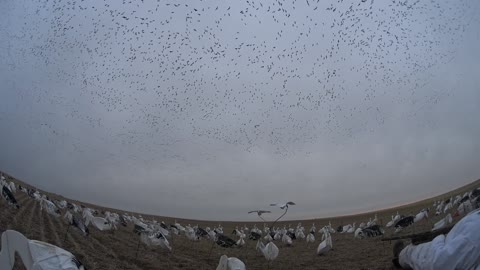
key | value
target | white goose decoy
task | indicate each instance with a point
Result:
(190, 233)
(51, 208)
(113, 218)
(464, 208)
(100, 223)
(346, 228)
(374, 221)
(62, 204)
(241, 241)
(310, 238)
(397, 217)
(76, 208)
(420, 216)
(12, 187)
(448, 206)
(457, 200)
(326, 244)
(35, 255)
(439, 208)
(330, 229)
(277, 235)
(390, 223)
(156, 239)
(325, 232)
(211, 234)
(357, 233)
(300, 234)
(287, 239)
(180, 228)
(351, 229)
(231, 263)
(219, 229)
(77, 222)
(369, 223)
(268, 238)
(266, 229)
(442, 223)
(270, 251)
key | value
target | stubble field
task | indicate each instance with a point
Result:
(117, 249)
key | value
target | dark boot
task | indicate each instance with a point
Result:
(397, 248)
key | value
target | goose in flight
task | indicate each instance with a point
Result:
(35, 255)
(282, 205)
(259, 212)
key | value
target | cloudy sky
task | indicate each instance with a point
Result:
(210, 109)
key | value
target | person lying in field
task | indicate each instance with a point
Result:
(459, 249)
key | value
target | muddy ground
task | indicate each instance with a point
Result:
(117, 250)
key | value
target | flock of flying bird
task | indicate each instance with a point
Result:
(153, 233)
(243, 73)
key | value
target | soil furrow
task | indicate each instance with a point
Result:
(98, 253)
(22, 198)
(53, 230)
(34, 226)
(41, 225)
(76, 248)
(19, 219)
(7, 214)
(28, 223)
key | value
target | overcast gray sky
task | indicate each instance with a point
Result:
(210, 109)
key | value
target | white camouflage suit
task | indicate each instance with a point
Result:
(460, 249)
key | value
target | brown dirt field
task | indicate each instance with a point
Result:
(106, 250)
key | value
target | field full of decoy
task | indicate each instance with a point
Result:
(102, 238)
